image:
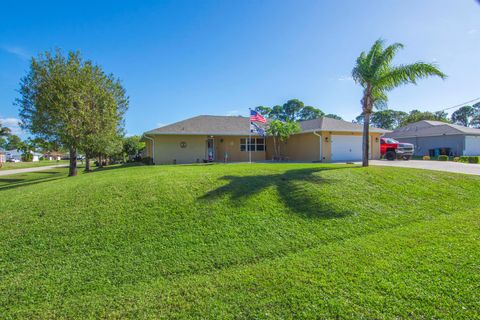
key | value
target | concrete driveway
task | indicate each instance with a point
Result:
(34, 169)
(447, 166)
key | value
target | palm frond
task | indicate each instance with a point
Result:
(384, 59)
(375, 51)
(410, 73)
(359, 69)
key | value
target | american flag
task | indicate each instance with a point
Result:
(255, 116)
(255, 128)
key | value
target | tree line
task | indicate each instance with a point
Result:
(389, 119)
(293, 110)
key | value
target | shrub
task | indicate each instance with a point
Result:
(442, 158)
(456, 159)
(426, 157)
(27, 157)
(475, 159)
(470, 159)
(147, 160)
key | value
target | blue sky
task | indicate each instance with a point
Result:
(178, 59)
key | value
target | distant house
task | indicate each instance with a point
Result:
(3, 157)
(53, 155)
(226, 138)
(435, 138)
(17, 155)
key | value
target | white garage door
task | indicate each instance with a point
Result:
(346, 148)
(472, 146)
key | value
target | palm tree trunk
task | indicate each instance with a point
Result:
(366, 140)
(275, 148)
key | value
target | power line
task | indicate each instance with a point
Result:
(460, 105)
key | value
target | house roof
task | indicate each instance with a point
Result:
(330, 124)
(236, 125)
(427, 128)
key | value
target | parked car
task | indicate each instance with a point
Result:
(13, 160)
(391, 149)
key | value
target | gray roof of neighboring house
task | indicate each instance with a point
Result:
(236, 125)
(427, 128)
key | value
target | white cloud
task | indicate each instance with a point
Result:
(12, 124)
(18, 51)
(472, 31)
(161, 124)
(345, 78)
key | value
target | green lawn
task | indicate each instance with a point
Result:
(240, 241)
(21, 165)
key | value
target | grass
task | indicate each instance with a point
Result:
(240, 241)
(22, 165)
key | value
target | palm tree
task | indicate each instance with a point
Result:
(376, 74)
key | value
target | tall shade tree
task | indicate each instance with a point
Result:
(13, 142)
(376, 74)
(333, 116)
(105, 106)
(310, 113)
(386, 119)
(4, 131)
(417, 115)
(57, 104)
(292, 110)
(463, 116)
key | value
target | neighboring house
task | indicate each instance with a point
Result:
(225, 138)
(3, 157)
(433, 138)
(17, 155)
(53, 155)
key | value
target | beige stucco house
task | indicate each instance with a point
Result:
(226, 139)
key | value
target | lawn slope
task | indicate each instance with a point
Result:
(240, 241)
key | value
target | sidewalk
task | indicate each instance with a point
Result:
(24, 170)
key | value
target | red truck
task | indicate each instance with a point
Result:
(391, 149)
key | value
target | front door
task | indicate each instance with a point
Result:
(210, 156)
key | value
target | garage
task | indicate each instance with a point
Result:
(346, 148)
(472, 146)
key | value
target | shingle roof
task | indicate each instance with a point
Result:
(207, 125)
(330, 124)
(427, 128)
(236, 125)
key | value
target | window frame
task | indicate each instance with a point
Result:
(252, 144)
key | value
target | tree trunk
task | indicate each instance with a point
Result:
(87, 163)
(366, 140)
(72, 170)
(275, 147)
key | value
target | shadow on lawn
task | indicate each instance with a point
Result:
(295, 187)
(26, 179)
(36, 177)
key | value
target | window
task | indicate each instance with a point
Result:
(260, 143)
(243, 146)
(252, 144)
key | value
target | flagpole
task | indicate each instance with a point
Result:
(249, 138)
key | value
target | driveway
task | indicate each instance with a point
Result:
(14, 171)
(447, 166)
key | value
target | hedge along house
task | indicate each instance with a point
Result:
(226, 139)
(433, 138)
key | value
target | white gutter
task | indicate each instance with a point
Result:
(321, 144)
(153, 147)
